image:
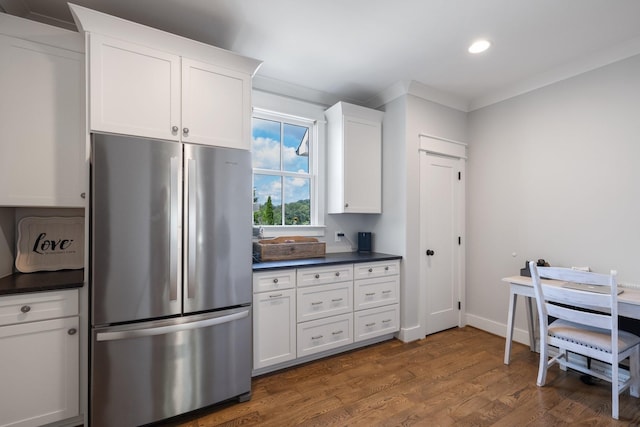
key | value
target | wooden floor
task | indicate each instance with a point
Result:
(456, 377)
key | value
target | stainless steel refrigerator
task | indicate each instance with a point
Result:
(170, 278)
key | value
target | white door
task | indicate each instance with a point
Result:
(441, 225)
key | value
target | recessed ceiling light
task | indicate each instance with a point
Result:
(479, 46)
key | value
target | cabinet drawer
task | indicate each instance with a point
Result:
(38, 306)
(376, 292)
(323, 275)
(376, 269)
(315, 302)
(376, 321)
(274, 280)
(324, 334)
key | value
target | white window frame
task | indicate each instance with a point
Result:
(279, 108)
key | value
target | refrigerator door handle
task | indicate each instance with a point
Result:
(174, 231)
(192, 226)
(168, 329)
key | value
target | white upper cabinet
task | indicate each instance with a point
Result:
(146, 82)
(42, 154)
(216, 105)
(354, 160)
(134, 90)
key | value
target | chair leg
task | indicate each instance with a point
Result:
(562, 361)
(615, 390)
(634, 371)
(544, 361)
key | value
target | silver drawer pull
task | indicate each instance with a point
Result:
(317, 337)
(25, 309)
(337, 332)
(370, 294)
(386, 268)
(336, 300)
(371, 270)
(386, 321)
(368, 325)
(275, 280)
(275, 296)
(72, 331)
(317, 276)
(337, 273)
(386, 292)
(316, 303)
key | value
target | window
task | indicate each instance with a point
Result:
(283, 175)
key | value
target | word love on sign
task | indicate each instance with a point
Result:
(50, 243)
(44, 245)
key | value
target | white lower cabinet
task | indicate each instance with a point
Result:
(375, 322)
(274, 318)
(299, 313)
(39, 344)
(325, 334)
(274, 332)
(377, 296)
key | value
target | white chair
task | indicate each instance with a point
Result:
(587, 325)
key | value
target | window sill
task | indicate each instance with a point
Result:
(269, 231)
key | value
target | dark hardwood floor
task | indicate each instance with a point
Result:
(456, 377)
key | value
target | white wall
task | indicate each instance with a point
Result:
(553, 174)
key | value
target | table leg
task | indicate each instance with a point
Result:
(531, 324)
(510, 319)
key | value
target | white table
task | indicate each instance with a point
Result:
(628, 306)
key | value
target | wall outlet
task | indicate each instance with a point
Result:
(339, 236)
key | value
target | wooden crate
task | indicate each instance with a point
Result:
(293, 247)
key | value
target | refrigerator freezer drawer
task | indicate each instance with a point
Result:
(156, 370)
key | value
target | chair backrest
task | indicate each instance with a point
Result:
(586, 307)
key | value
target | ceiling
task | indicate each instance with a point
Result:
(356, 50)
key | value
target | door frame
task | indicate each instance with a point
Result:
(435, 145)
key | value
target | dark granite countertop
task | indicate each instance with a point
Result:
(328, 259)
(20, 283)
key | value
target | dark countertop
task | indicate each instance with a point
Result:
(328, 259)
(20, 283)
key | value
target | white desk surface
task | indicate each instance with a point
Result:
(628, 301)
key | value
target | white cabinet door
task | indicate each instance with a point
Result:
(42, 156)
(363, 166)
(39, 372)
(216, 105)
(274, 327)
(134, 90)
(354, 159)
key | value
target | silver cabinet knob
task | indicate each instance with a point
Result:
(25, 309)
(371, 270)
(72, 331)
(83, 195)
(174, 129)
(185, 131)
(317, 276)
(337, 273)
(346, 205)
(275, 280)
(386, 268)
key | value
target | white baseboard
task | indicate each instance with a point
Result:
(410, 334)
(519, 335)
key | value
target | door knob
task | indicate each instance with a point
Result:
(430, 252)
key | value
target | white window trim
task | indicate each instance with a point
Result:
(267, 103)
